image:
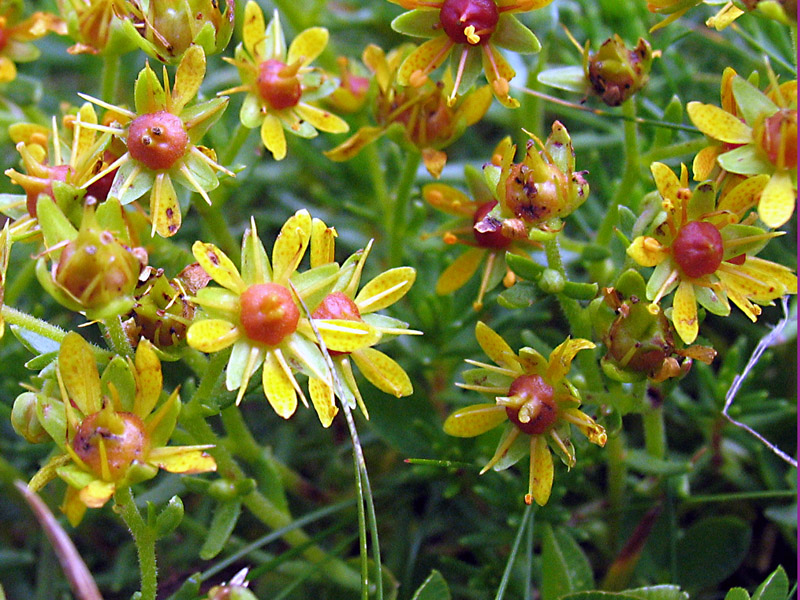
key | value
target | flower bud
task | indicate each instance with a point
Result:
(617, 73)
(24, 419)
(352, 91)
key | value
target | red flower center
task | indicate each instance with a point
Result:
(122, 448)
(698, 248)
(539, 404)
(278, 84)
(268, 313)
(777, 138)
(469, 21)
(157, 140)
(337, 306)
(493, 238)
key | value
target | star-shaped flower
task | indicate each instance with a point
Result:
(757, 132)
(281, 85)
(347, 303)
(475, 29)
(259, 312)
(534, 396)
(112, 432)
(162, 139)
(705, 249)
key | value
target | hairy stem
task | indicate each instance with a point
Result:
(144, 538)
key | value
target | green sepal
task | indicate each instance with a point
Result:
(751, 102)
(250, 112)
(703, 200)
(256, 267)
(14, 206)
(68, 198)
(40, 362)
(118, 373)
(484, 377)
(218, 302)
(513, 35)
(75, 476)
(713, 302)
(492, 174)
(56, 227)
(310, 359)
(52, 418)
(142, 183)
(314, 284)
(673, 113)
(657, 279)
(615, 372)
(520, 447)
(166, 417)
(200, 170)
(199, 118)
(149, 96)
(473, 66)
(110, 217)
(418, 23)
(570, 78)
(477, 184)
(745, 160)
(736, 231)
(234, 372)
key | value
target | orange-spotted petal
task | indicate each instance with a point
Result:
(385, 289)
(218, 266)
(272, 136)
(496, 347)
(188, 77)
(307, 46)
(383, 372)
(149, 380)
(183, 459)
(321, 119)
(253, 31)
(540, 478)
(323, 242)
(290, 246)
(449, 200)
(424, 60)
(475, 420)
(667, 182)
(561, 358)
(460, 271)
(323, 401)
(164, 208)
(97, 493)
(705, 161)
(212, 335)
(718, 124)
(684, 312)
(777, 200)
(744, 195)
(79, 372)
(279, 386)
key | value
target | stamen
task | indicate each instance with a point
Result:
(451, 100)
(502, 449)
(472, 37)
(107, 106)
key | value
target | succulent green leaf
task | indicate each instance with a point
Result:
(224, 520)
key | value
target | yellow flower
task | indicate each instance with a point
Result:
(705, 249)
(162, 142)
(421, 116)
(280, 85)
(259, 312)
(677, 8)
(477, 28)
(349, 304)
(533, 395)
(757, 134)
(111, 432)
(16, 35)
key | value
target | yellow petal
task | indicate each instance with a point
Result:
(460, 271)
(323, 242)
(449, 200)
(385, 289)
(188, 77)
(219, 267)
(79, 372)
(342, 335)
(540, 478)
(383, 372)
(164, 208)
(278, 387)
(212, 335)
(596, 433)
(704, 162)
(684, 312)
(253, 31)
(307, 46)
(323, 401)
(495, 347)
(321, 119)
(354, 144)
(475, 420)
(738, 294)
(647, 251)
(777, 200)
(744, 195)
(97, 493)
(182, 459)
(149, 380)
(434, 161)
(667, 182)
(425, 59)
(770, 270)
(273, 138)
(73, 507)
(8, 71)
(85, 136)
(752, 281)
(290, 246)
(561, 358)
(718, 124)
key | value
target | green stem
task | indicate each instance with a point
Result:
(377, 177)
(615, 481)
(144, 538)
(397, 220)
(217, 227)
(630, 176)
(577, 317)
(655, 437)
(12, 316)
(110, 79)
(258, 504)
(120, 343)
(235, 143)
(209, 380)
(673, 151)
